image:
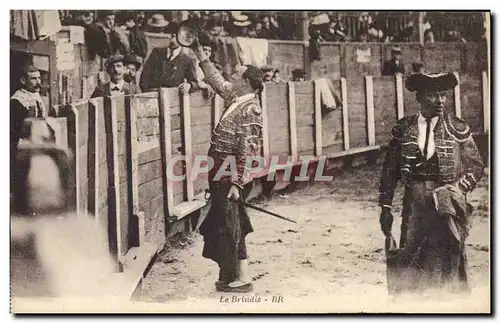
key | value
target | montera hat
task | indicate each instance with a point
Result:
(113, 59)
(431, 82)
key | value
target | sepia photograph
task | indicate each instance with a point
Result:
(254, 161)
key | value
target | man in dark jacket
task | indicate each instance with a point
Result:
(117, 85)
(434, 155)
(169, 67)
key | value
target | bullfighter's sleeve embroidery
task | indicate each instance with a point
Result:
(248, 136)
(391, 168)
(215, 79)
(472, 165)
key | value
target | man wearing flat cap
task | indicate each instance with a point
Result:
(116, 71)
(435, 157)
(235, 141)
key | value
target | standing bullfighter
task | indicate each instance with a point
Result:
(237, 136)
(435, 157)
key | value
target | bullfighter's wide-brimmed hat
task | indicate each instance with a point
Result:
(132, 59)
(431, 82)
(114, 59)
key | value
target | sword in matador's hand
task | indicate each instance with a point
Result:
(263, 210)
(255, 208)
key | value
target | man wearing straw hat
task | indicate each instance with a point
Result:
(236, 138)
(434, 155)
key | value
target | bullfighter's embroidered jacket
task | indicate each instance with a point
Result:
(238, 132)
(458, 157)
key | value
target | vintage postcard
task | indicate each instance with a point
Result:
(250, 161)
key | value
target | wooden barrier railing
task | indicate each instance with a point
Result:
(126, 148)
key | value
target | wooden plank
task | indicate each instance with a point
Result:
(399, 96)
(370, 111)
(456, 92)
(134, 155)
(96, 175)
(265, 126)
(116, 181)
(74, 110)
(166, 140)
(217, 107)
(188, 144)
(486, 101)
(318, 132)
(345, 113)
(149, 171)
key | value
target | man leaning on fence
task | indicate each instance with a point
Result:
(434, 155)
(237, 135)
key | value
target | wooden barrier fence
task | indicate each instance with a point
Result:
(126, 148)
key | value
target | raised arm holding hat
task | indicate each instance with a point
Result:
(235, 139)
(434, 155)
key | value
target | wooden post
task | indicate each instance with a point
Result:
(76, 155)
(265, 126)
(399, 96)
(116, 181)
(96, 176)
(318, 129)
(134, 155)
(345, 113)
(456, 92)
(292, 119)
(370, 112)
(188, 145)
(166, 147)
(303, 29)
(486, 102)
(421, 19)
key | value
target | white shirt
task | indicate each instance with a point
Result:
(119, 85)
(174, 53)
(422, 127)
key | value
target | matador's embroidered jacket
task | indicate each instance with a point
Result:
(458, 158)
(238, 132)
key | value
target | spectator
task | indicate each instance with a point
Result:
(395, 64)
(276, 77)
(25, 103)
(116, 71)
(114, 41)
(418, 67)
(156, 24)
(132, 65)
(267, 74)
(428, 32)
(298, 75)
(169, 67)
(136, 38)
(338, 32)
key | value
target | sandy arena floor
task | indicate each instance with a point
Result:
(331, 261)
